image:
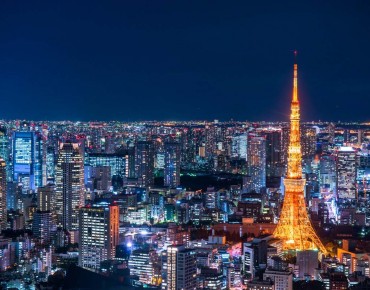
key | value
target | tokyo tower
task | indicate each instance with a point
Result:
(294, 228)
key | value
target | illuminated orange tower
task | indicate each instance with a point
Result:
(294, 228)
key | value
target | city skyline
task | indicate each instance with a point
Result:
(166, 145)
(147, 61)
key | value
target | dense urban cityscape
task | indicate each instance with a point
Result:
(184, 145)
(185, 205)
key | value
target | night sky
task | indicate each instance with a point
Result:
(183, 60)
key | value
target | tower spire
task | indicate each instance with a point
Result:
(295, 78)
(294, 228)
(294, 151)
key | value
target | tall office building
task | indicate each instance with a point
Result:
(273, 153)
(181, 268)
(346, 172)
(99, 233)
(257, 162)
(144, 264)
(24, 144)
(42, 226)
(144, 162)
(210, 140)
(40, 165)
(3, 193)
(5, 152)
(45, 198)
(69, 185)
(239, 146)
(98, 178)
(254, 257)
(307, 262)
(50, 164)
(308, 142)
(172, 164)
(363, 172)
(327, 173)
(118, 162)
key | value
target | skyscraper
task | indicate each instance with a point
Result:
(273, 153)
(50, 164)
(308, 140)
(45, 198)
(239, 146)
(24, 159)
(294, 228)
(3, 182)
(181, 268)
(5, 152)
(257, 162)
(42, 226)
(172, 164)
(346, 172)
(144, 162)
(254, 256)
(99, 225)
(363, 172)
(40, 164)
(69, 185)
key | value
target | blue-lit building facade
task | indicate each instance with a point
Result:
(24, 147)
(27, 164)
(117, 162)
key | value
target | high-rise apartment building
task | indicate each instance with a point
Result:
(69, 185)
(181, 268)
(99, 225)
(172, 159)
(144, 162)
(257, 162)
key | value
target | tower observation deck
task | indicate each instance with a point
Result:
(294, 228)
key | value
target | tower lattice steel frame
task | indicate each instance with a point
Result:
(294, 228)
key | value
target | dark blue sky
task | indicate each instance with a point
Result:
(142, 60)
